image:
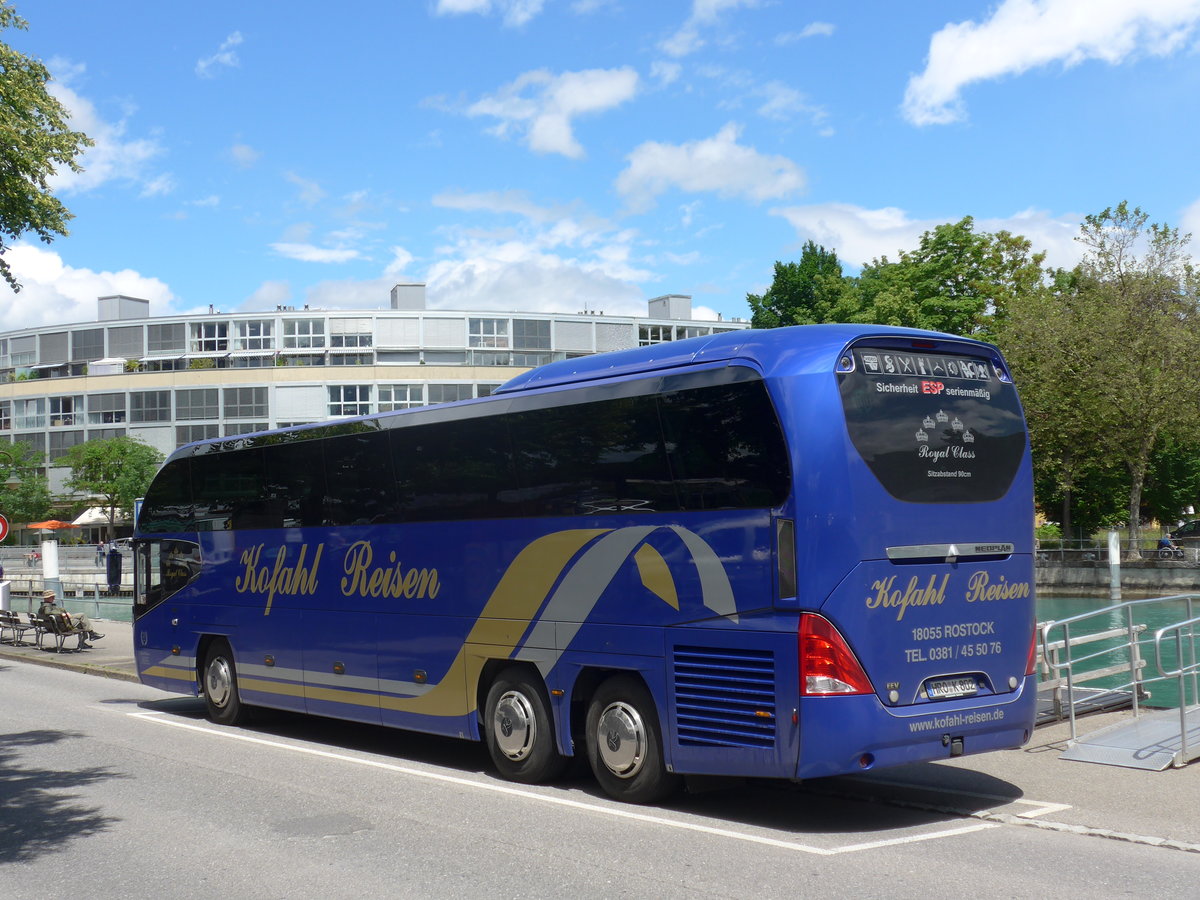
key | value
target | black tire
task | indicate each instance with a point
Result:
(219, 680)
(519, 729)
(624, 743)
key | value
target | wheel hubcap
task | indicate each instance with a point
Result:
(621, 739)
(218, 681)
(514, 726)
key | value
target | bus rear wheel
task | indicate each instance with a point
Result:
(520, 729)
(220, 685)
(624, 743)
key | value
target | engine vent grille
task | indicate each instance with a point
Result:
(725, 698)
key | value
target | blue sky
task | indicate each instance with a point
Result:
(556, 155)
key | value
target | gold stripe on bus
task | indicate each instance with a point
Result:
(333, 695)
(263, 686)
(519, 595)
(168, 672)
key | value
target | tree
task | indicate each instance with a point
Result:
(34, 141)
(957, 281)
(116, 470)
(1104, 361)
(803, 293)
(24, 492)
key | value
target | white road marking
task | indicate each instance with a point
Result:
(1040, 807)
(614, 812)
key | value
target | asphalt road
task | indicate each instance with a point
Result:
(108, 788)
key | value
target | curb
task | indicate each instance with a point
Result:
(115, 672)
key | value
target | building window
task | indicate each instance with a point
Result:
(400, 396)
(210, 337)
(106, 409)
(262, 361)
(351, 359)
(150, 406)
(66, 411)
(246, 403)
(62, 441)
(104, 434)
(691, 331)
(200, 403)
(529, 360)
(31, 413)
(185, 434)
(448, 393)
(87, 345)
(256, 334)
(487, 333)
(654, 334)
(302, 334)
(485, 390)
(350, 333)
(531, 334)
(127, 342)
(349, 400)
(163, 339)
(5, 415)
(236, 428)
(36, 440)
(303, 359)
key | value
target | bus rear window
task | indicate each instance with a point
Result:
(932, 427)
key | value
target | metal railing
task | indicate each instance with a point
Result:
(1061, 640)
(1187, 669)
(1087, 550)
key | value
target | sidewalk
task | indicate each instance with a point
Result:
(1030, 787)
(111, 656)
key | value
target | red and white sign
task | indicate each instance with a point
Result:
(3, 528)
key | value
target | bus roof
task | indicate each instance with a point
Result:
(764, 348)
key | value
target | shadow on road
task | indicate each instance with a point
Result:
(930, 794)
(39, 810)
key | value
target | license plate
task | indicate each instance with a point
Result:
(950, 688)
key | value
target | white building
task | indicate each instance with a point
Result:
(170, 380)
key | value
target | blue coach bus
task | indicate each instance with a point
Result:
(789, 554)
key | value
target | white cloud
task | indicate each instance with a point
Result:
(225, 57)
(860, 235)
(243, 155)
(705, 13)
(313, 253)
(816, 29)
(516, 202)
(157, 186)
(112, 157)
(1025, 34)
(665, 72)
(269, 295)
(718, 164)
(541, 105)
(515, 12)
(311, 193)
(53, 292)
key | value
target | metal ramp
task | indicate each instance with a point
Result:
(1077, 649)
(1154, 742)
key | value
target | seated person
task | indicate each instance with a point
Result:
(82, 621)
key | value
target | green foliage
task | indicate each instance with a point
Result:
(24, 492)
(1172, 481)
(1103, 356)
(1047, 531)
(116, 470)
(34, 142)
(803, 293)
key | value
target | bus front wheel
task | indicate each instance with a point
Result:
(520, 729)
(220, 685)
(624, 743)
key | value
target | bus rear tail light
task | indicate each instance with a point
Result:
(827, 664)
(1031, 663)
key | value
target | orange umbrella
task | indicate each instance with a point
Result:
(52, 524)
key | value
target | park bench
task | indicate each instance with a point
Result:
(11, 621)
(58, 627)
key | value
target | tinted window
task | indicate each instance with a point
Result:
(168, 504)
(227, 491)
(593, 458)
(725, 446)
(455, 470)
(933, 428)
(360, 483)
(294, 482)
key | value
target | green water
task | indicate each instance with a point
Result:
(1164, 693)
